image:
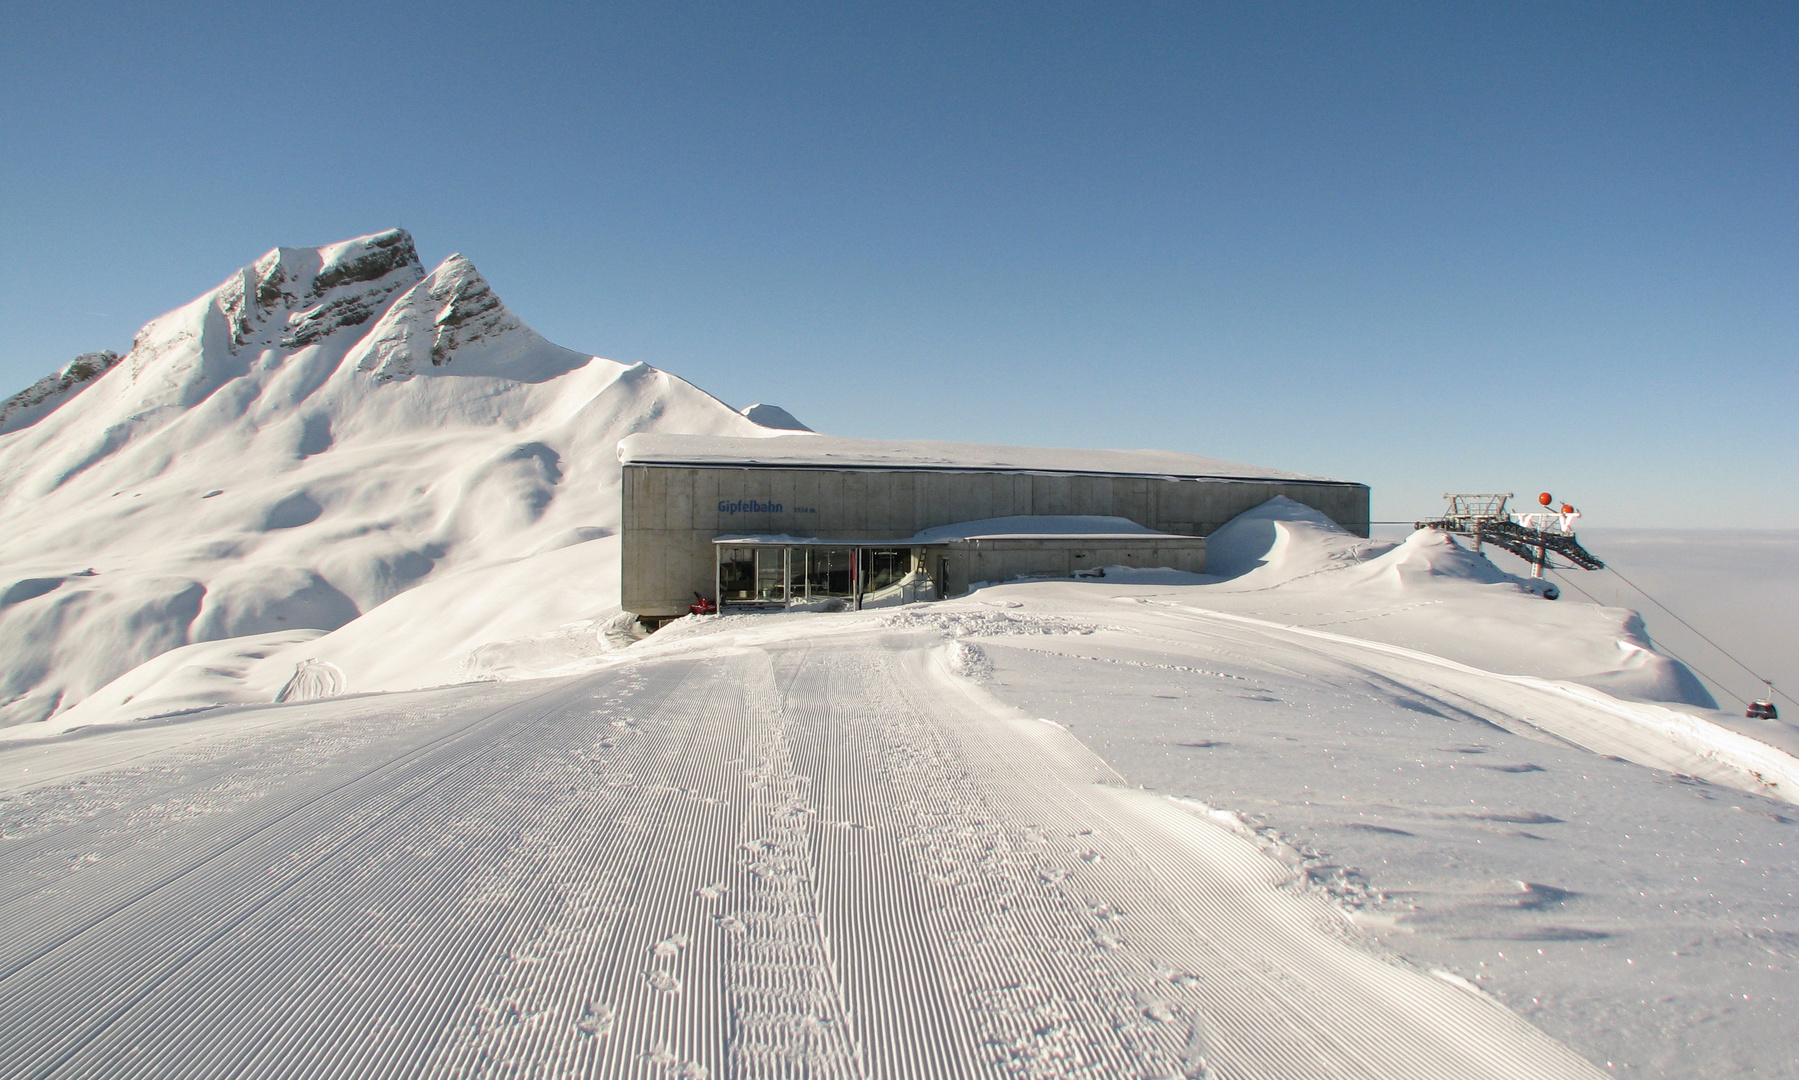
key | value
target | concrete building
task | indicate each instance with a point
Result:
(817, 519)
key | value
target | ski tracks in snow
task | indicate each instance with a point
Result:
(1653, 736)
(831, 858)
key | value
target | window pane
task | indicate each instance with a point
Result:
(829, 572)
(769, 572)
(796, 573)
(885, 566)
(736, 574)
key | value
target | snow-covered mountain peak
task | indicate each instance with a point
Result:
(284, 303)
(326, 430)
(454, 315)
(292, 297)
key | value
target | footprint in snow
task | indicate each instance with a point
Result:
(596, 1019)
(669, 947)
(1193, 1056)
(670, 1063)
(1053, 877)
(1154, 1008)
(664, 981)
(731, 924)
(711, 892)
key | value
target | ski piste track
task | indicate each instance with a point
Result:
(815, 857)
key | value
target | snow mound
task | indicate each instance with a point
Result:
(773, 416)
(196, 676)
(312, 680)
(1282, 541)
(275, 463)
(1432, 594)
(1428, 554)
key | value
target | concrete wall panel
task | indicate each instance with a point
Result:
(670, 514)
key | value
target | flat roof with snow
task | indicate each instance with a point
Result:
(911, 455)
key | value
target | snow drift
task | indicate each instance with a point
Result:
(328, 429)
(1431, 593)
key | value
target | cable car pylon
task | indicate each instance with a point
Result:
(1530, 536)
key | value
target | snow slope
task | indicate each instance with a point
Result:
(805, 848)
(327, 430)
(1289, 563)
(1616, 873)
(915, 842)
(1738, 586)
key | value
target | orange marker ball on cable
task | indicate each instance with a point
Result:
(1545, 498)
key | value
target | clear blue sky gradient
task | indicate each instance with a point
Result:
(1427, 246)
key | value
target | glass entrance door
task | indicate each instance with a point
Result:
(828, 573)
(771, 574)
(736, 574)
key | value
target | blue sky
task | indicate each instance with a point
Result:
(1426, 246)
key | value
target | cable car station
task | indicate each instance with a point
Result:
(807, 520)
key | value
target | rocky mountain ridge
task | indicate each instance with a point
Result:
(326, 431)
(37, 400)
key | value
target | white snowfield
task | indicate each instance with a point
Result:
(813, 855)
(331, 755)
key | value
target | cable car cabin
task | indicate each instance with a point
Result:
(1762, 710)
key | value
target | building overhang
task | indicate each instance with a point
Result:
(812, 452)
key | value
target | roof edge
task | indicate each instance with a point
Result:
(749, 466)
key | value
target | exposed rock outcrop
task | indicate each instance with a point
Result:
(42, 397)
(293, 297)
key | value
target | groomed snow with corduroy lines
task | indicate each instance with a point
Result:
(328, 754)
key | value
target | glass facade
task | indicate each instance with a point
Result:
(762, 575)
(882, 567)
